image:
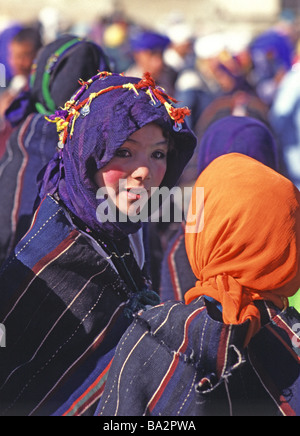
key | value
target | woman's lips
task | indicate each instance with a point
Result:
(133, 196)
(136, 194)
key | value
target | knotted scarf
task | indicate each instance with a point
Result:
(245, 244)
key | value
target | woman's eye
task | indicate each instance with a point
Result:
(123, 152)
(159, 155)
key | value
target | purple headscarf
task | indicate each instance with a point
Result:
(243, 135)
(91, 135)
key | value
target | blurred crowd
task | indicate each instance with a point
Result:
(215, 75)
(212, 74)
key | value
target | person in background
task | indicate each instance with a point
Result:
(179, 55)
(116, 45)
(223, 89)
(233, 347)
(72, 284)
(230, 134)
(114, 39)
(272, 54)
(230, 66)
(195, 85)
(34, 140)
(5, 77)
(6, 36)
(284, 117)
(147, 50)
(22, 51)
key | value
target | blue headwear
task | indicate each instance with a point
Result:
(149, 41)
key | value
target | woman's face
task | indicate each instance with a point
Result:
(138, 165)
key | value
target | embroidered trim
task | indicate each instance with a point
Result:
(66, 117)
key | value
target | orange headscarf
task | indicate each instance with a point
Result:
(244, 245)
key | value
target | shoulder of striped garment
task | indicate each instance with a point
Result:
(52, 292)
(175, 360)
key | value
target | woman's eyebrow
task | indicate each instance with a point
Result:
(163, 142)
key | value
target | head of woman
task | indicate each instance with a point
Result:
(138, 166)
(117, 133)
(244, 242)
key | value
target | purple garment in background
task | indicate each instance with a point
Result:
(243, 135)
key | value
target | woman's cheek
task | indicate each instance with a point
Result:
(160, 174)
(111, 177)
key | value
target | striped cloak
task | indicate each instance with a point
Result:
(62, 305)
(29, 148)
(176, 360)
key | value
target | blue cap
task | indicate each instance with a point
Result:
(149, 41)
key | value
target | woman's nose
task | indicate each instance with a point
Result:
(142, 172)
